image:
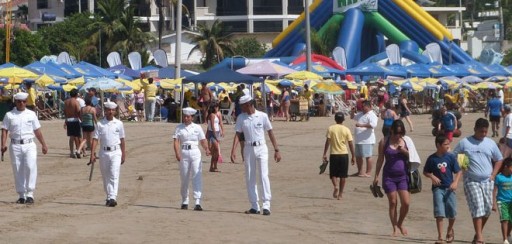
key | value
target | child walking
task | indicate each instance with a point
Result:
(502, 195)
(444, 171)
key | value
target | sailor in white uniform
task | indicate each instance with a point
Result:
(109, 134)
(253, 124)
(23, 125)
(187, 137)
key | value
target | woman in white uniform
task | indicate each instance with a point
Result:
(187, 137)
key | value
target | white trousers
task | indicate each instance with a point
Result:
(190, 166)
(149, 108)
(110, 166)
(256, 159)
(24, 167)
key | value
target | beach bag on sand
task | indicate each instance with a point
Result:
(414, 181)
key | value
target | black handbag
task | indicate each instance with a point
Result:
(414, 181)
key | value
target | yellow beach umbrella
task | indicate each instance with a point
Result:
(68, 87)
(328, 87)
(11, 86)
(44, 80)
(269, 87)
(349, 85)
(17, 72)
(303, 75)
(77, 81)
(488, 85)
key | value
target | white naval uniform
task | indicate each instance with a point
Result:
(190, 163)
(109, 134)
(255, 155)
(23, 151)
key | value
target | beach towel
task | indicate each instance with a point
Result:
(414, 157)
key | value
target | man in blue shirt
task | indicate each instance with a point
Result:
(478, 178)
(494, 108)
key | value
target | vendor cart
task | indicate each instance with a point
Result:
(299, 108)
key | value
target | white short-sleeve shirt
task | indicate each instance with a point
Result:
(253, 126)
(21, 124)
(109, 133)
(189, 134)
(363, 135)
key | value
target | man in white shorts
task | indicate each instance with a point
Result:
(364, 133)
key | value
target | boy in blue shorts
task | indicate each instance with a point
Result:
(502, 195)
(442, 167)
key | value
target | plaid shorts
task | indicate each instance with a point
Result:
(479, 197)
(505, 210)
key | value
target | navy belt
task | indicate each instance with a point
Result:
(186, 147)
(26, 141)
(113, 148)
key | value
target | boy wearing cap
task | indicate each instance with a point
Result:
(110, 135)
(253, 124)
(338, 138)
(23, 125)
(187, 137)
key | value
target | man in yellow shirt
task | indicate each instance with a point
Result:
(32, 96)
(150, 90)
(339, 138)
(364, 90)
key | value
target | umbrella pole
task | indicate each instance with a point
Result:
(182, 94)
(101, 101)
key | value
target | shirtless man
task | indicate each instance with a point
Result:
(72, 122)
(205, 97)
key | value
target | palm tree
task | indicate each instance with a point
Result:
(213, 42)
(119, 29)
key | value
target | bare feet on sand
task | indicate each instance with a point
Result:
(402, 230)
(335, 194)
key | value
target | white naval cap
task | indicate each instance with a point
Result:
(21, 96)
(110, 105)
(245, 99)
(189, 111)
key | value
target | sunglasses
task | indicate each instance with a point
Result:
(21, 101)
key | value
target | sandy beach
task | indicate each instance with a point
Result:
(70, 209)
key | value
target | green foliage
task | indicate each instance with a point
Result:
(213, 42)
(73, 30)
(249, 47)
(25, 47)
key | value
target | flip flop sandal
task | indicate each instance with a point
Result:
(374, 192)
(379, 191)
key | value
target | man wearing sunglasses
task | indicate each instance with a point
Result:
(22, 126)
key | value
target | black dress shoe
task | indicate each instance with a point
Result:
(112, 203)
(198, 208)
(266, 212)
(107, 202)
(29, 200)
(184, 206)
(252, 211)
(21, 201)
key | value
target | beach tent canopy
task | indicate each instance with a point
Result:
(123, 70)
(222, 75)
(170, 73)
(373, 69)
(66, 68)
(91, 70)
(48, 69)
(266, 68)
